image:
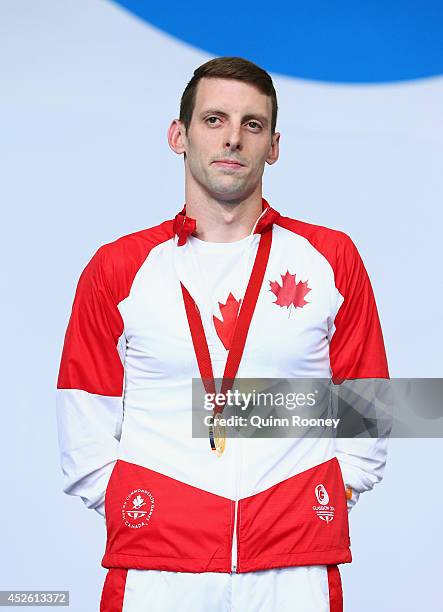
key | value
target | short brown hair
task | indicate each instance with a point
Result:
(228, 68)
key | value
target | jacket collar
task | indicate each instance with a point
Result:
(184, 225)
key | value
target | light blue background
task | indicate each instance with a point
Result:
(87, 93)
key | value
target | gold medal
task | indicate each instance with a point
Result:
(217, 434)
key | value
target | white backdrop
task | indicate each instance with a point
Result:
(87, 93)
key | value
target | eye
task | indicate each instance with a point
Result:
(254, 125)
(212, 120)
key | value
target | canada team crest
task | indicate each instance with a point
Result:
(324, 511)
(138, 508)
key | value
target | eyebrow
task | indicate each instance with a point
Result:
(248, 117)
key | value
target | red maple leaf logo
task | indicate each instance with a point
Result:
(290, 293)
(225, 327)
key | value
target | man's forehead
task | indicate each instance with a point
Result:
(230, 94)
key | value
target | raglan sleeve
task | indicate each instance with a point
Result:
(360, 376)
(89, 403)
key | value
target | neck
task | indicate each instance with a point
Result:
(219, 221)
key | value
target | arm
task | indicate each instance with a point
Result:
(90, 387)
(359, 367)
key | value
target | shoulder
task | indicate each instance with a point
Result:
(334, 245)
(136, 244)
(115, 264)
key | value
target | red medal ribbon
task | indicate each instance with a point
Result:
(244, 318)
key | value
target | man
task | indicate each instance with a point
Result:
(227, 288)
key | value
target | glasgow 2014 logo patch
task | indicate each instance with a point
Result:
(138, 508)
(324, 511)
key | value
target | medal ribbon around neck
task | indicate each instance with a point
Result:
(200, 343)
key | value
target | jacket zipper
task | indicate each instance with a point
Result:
(234, 541)
(237, 463)
(237, 454)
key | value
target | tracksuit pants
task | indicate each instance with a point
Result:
(314, 588)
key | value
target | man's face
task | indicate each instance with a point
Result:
(229, 139)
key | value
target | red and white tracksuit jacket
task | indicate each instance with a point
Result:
(124, 403)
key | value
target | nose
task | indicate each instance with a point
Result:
(233, 139)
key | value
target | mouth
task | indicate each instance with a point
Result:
(230, 164)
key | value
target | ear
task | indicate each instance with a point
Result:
(177, 136)
(274, 149)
